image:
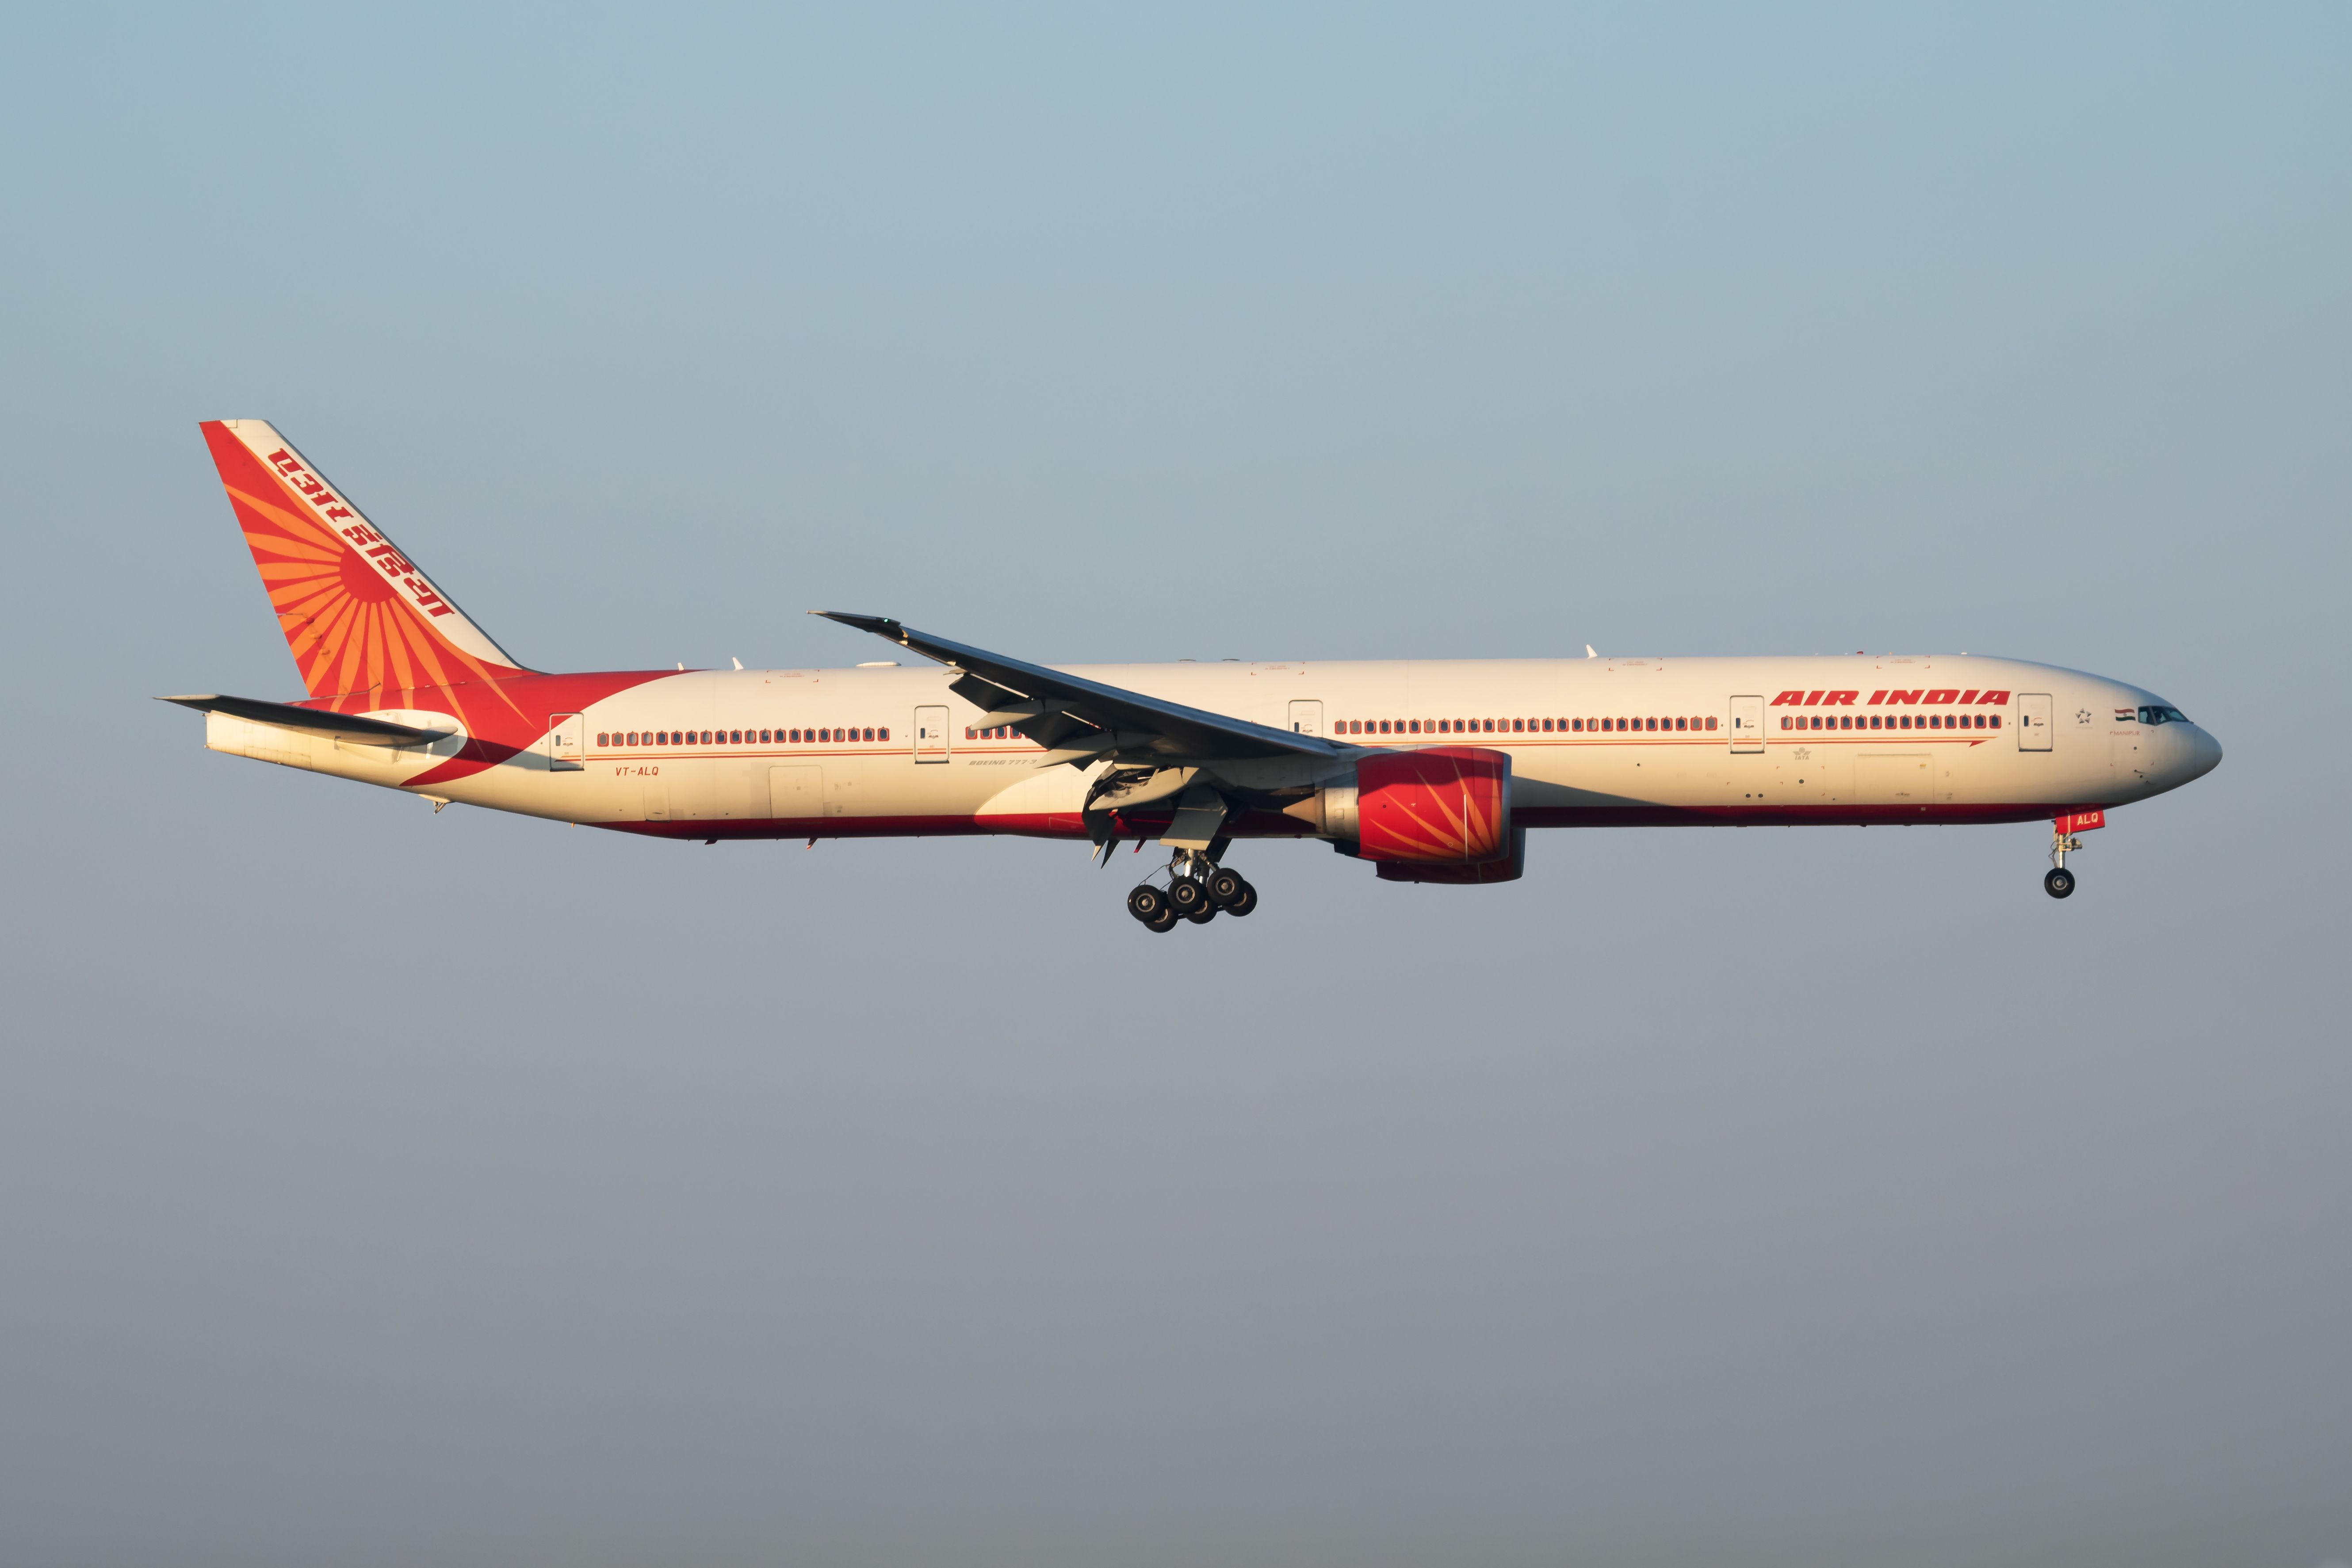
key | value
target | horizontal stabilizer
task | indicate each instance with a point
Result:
(337, 726)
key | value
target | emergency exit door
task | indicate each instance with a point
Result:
(2032, 722)
(1747, 724)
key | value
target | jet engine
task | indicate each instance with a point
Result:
(1438, 815)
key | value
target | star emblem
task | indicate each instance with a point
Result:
(2082, 715)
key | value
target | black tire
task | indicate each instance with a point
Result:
(1224, 887)
(1147, 904)
(1245, 902)
(1164, 921)
(1185, 895)
(1204, 915)
(2059, 883)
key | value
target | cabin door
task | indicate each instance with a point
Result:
(931, 734)
(2032, 722)
(1747, 724)
(567, 743)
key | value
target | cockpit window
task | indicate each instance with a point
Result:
(2162, 716)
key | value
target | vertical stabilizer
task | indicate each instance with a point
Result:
(357, 612)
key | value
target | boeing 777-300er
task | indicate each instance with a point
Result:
(1434, 771)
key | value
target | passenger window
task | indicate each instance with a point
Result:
(1710, 723)
(1786, 722)
(1996, 721)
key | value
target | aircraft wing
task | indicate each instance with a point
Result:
(339, 726)
(1077, 719)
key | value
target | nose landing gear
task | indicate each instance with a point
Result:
(2060, 882)
(1198, 890)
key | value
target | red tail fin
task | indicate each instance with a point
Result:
(356, 612)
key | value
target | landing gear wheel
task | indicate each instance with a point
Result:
(1148, 903)
(1164, 921)
(1185, 895)
(1244, 902)
(1202, 915)
(2059, 882)
(1224, 887)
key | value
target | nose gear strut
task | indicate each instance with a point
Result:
(2060, 882)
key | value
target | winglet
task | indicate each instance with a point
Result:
(880, 626)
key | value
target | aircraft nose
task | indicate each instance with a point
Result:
(2204, 754)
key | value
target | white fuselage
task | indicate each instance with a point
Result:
(781, 762)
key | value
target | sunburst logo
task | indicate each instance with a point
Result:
(1438, 805)
(359, 617)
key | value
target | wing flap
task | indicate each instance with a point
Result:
(1171, 729)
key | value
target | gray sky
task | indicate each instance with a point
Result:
(383, 1187)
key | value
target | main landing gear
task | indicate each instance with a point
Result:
(1198, 890)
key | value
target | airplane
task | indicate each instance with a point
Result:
(1433, 771)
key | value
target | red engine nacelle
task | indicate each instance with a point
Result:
(1510, 868)
(1425, 815)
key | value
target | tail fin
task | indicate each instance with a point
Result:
(356, 612)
